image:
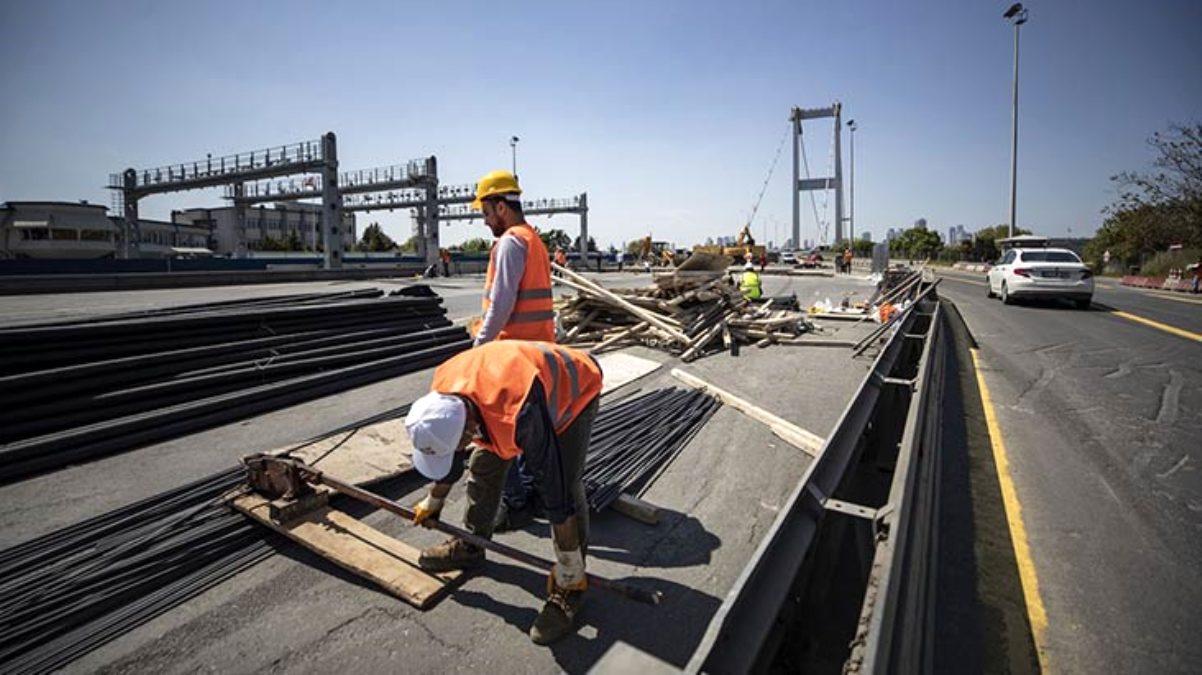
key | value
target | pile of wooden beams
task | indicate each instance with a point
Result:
(685, 312)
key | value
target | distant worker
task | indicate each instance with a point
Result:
(517, 286)
(763, 260)
(514, 399)
(561, 258)
(445, 256)
(750, 284)
(847, 256)
(1196, 285)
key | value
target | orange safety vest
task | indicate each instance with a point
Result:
(561, 258)
(533, 316)
(497, 377)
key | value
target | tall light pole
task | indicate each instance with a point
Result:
(851, 217)
(513, 146)
(1017, 15)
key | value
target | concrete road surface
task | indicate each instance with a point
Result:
(1100, 412)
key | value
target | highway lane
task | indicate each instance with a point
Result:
(1101, 417)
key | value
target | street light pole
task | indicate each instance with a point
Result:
(513, 145)
(1017, 16)
(851, 217)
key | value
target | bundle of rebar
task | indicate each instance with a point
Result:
(633, 440)
(72, 391)
(70, 591)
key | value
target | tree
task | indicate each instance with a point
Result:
(477, 245)
(983, 246)
(592, 244)
(917, 242)
(410, 245)
(374, 239)
(554, 239)
(1157, 208)
(293, 242)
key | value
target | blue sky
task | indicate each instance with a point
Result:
(667, 113)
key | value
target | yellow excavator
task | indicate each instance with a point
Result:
(744, 245)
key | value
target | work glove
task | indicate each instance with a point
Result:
(427, 509)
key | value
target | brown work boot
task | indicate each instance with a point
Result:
(558, 618)
(452, 554)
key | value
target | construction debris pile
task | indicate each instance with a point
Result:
(70, 391)
(688, 312)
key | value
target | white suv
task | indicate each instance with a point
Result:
(1041, 273)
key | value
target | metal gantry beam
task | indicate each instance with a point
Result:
(235, 171)
(412, 175)
(534, 207)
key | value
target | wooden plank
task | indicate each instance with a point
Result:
(633, 507)
(359, 548)
(808, 442)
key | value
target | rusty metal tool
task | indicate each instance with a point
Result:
(289, 478)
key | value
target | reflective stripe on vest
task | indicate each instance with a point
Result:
(497, 377)
(533, 316)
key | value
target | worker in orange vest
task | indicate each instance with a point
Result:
(517, 300)
(517, 306)
(511, 398)
(561, 258)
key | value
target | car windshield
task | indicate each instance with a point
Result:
(1050, 256)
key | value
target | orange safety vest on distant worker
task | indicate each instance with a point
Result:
(561, 258)
(497, 377)
(533, 316)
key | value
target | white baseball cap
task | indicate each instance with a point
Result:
(435, 424)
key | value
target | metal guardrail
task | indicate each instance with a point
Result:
(741, 635)
(897, 615)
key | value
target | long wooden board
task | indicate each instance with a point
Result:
(360, 548)
(806, 441)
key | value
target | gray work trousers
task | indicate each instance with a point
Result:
(486, 478)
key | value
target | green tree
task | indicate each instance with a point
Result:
(1159, 208)
(270, 244)
(984, 248)
(293, 242)
(477, 245)
(410, 245)
(374, 239)
(917, 242)
(592, 244)
(553, 239)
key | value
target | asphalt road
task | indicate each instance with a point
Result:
(1101, 415)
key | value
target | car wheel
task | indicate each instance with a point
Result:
(1084, 303)
(989, 289)
(1007, 299)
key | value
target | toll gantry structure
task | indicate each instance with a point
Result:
(235, 172)
(415, 183)
(414, 186)
(797, 116)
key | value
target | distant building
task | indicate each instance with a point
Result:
(275, 221)
(893, 233)
(74, 230)
(920, 224)
(957, 234)
(161, 238)
(865, 236)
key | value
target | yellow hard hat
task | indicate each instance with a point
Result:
(499, 182)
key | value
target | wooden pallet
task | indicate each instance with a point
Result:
(357, 547)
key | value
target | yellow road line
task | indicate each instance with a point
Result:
(1179, 332)
(1018, 533)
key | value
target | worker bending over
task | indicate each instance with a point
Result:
(750, 284)
(512, 398)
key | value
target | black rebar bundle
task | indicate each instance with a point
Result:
(70, 591)
(70, 391)
(632, 440)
